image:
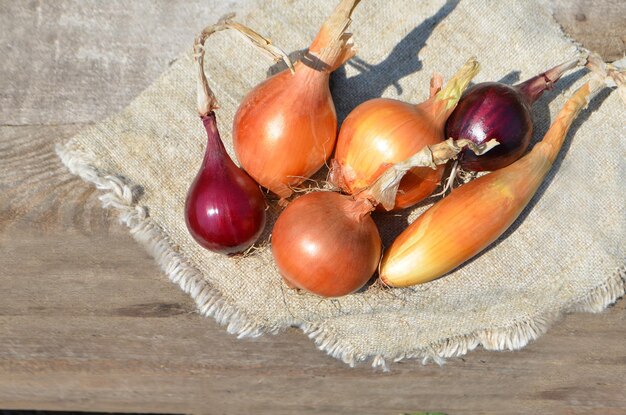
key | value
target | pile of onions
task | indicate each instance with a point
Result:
(286, 128)
(380, 132)
(496, 110)
(389, 154)
(474, 215)
(327, 243)
(225, 208)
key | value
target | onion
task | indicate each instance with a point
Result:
(382, 131)
(473, 216)
(225, 208)
(495, 110)
(327, 243)
(286, 128)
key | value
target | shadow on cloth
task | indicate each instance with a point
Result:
(373, 80)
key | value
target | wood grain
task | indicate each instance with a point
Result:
(87, 320)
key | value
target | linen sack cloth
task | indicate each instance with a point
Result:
(565, 253)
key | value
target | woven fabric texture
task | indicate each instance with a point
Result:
(565, 253)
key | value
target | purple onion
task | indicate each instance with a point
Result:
(496, 110)
(225, 209)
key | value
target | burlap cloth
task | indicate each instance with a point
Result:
(566, 253)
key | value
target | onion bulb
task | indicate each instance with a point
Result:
(496, 110)
(285, 128)
(381, 131)
(326, 243)
(225, 208)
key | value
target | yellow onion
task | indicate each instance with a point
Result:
(381, 132)
(326, 243)
(286, 128)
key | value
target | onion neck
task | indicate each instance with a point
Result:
(308, 75)
(451, 93)
(332, 46)
(359, 208)
(438, 112)
(443, 100)
(215, 151)
(555, 136)
(533, 88)
(603, 75)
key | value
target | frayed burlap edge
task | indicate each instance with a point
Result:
(118, 194)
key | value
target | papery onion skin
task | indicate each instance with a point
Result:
(225, 208)
(282, 135)
(326, 243)
(366, 146)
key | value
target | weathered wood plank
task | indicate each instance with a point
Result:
(183, 364)
(60, 58)
(88, 322)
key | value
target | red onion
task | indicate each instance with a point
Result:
(225, 209)
(502, 112)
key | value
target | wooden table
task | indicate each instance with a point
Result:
(87, 320)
